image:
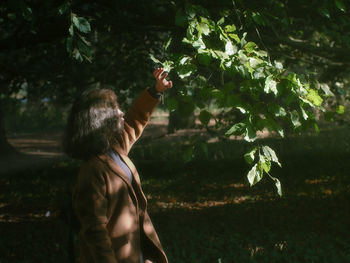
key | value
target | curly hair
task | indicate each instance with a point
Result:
(93, 124)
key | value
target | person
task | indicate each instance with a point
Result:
(108, 199)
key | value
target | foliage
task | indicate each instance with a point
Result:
(28, 117)
(38, 42)
(262, 94)
(228, 64)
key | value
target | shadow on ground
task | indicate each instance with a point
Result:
(204, 210)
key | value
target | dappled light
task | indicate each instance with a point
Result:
(245, 157)
(207, 197)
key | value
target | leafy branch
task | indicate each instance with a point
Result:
(265, 95)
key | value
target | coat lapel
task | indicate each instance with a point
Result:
(119, 172)
(138, 189)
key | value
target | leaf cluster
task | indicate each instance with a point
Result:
(225, 69)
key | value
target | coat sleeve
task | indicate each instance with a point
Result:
(90, 205)
(136, 120)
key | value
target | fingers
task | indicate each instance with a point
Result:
(158, 72)
(163, 76)
(160, 76)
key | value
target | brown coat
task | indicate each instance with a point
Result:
(115, 225)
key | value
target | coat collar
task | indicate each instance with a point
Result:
(119, 172)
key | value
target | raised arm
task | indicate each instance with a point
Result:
(140, 112)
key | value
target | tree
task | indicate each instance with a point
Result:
(240, 55)
(246, 83)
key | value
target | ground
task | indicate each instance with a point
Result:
(204, 210)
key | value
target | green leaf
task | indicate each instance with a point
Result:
(276, 110)
(278, 186)
(230, 49)
(235, 37)
(250, 134)
(198, 44)
(270, 154)
(250, 156)
(304, 114)
(234, 101)
(327, 91)
(190, 11)
(340, 5)
(278, 65)
(270, 85)
(295, 119)
(204, 117)
(216, 93)
(154, 59)
(258, 18)
(185, 70)
(204, 59)
(84, 48)
(171, 104)
(76, 54)
(63, 9)
(84, 40)
(254, 62)
(340, 109)
(325, 12)
(205, 28)
(250, 69)
(254, 175)
(314, 98)
(187, 154)
(27, 13)
(236, 129)
(184, 60)
(71, 30)
(219, 54)
(167, 44)
(189, 34)
(260, 53)
(264, 164)
(168, 65)
(280, 131)
(221, 21)
(230, 28)
(249, 47)
(81, 24)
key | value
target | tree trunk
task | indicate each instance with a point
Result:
(179, 119)
(5, 147)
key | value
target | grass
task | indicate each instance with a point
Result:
(204, 211)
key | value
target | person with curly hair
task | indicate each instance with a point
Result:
(108, 199)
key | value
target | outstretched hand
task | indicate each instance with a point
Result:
(162, 84)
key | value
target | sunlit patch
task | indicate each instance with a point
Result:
(173, 203)
(28, 217)
(281, 245)
(259, 250)
(318, 180)
(327, 191)
(238, 185)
